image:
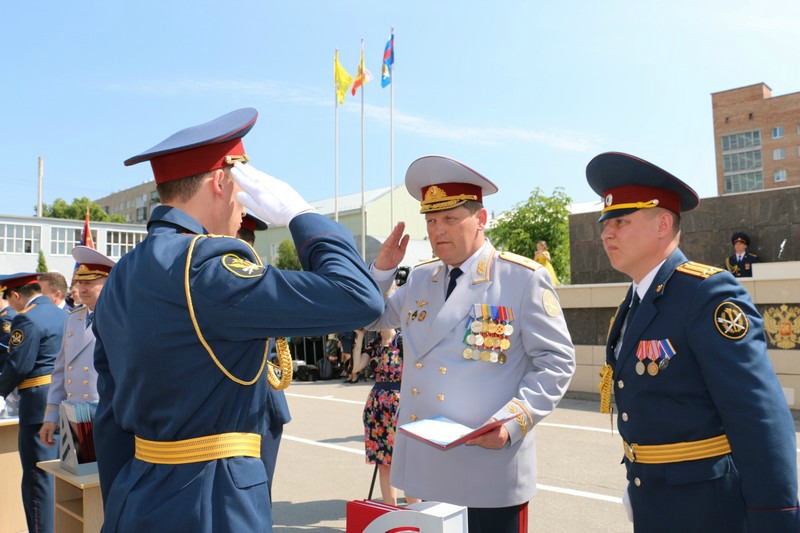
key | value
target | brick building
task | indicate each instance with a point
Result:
(756, 139)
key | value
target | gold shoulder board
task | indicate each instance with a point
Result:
(698, 270)
(431, 260)
(520, 260)
(76, 309)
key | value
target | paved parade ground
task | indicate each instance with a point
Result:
(321, 464)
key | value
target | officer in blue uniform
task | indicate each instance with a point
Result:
(277, 407)
(709, 441)
(182, 329)
(35, 340)
(740, 264)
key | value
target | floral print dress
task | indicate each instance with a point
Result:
(380, 411)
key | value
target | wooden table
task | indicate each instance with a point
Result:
(11, 510)
(79, 503)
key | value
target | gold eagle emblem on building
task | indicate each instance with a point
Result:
(782, 326)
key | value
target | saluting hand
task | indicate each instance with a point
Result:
(269, 198)
(393, 249)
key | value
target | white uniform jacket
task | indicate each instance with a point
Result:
(74, 376)
(439, 379)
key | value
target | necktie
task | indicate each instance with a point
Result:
(452, 285)
(634, 306)
(89, 320)
(739, 257)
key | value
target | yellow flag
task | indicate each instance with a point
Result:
(341, 79)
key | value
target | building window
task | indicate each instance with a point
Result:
(778, 154)
(20, 239)
(780, 175)
(141, 214)
(798, 128)
(739, 161)
(273, 252)
(739, 141)
(118, 243)
(63, 240)
(777, 132)
(744, 182)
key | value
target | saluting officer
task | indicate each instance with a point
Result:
(740, 264)
(74, 376)
(709, 442)
(33, 345)
(182, 327)
(483, 338)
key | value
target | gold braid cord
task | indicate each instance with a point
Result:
(606, 378)
(284, 365)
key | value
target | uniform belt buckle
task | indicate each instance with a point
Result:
(630, 452)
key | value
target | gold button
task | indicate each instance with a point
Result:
(69, 382)
(413, 418)
(85, 396)
(624, 417)
(85, 381)
(637, 482)
(86, 369)
(415, 391)
(418, 365)
(442, 370)
(69, 395)
(440, 397)
(620, 384)
(69, 367)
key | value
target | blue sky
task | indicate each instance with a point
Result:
(526, 92)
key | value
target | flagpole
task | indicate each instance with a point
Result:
(363, 174)
(336, 145)
(391, 140)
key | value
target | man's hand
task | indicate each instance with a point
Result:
(494, 439)
(393, 249)
(269, 198)
(47, 433)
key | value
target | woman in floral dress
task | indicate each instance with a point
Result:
(380, 411)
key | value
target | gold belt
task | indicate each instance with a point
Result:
(35, 382)
(677, 453)
(200, 449)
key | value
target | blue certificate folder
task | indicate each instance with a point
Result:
(443, 433)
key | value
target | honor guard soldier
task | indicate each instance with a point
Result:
(740, 264)
(484, 338)
(33, 345)
(74, 376)
(708, 438)
(277, 407)
(182, 330)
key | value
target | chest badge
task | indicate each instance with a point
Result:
(731, 321)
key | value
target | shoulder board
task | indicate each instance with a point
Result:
(76, 309)
(27, 309)
(4, 312)
(698, 270)
(520, 260)
(751, 253)
(427, 261)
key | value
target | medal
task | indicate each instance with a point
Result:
(640, 368)
(500, 330)
(479, 340)
(476, 326)
(508, 330)
(652, 368)
(663, 364)
(467, 353)
(501, 358)
(493, 357)
(485, 355)
(471, 339)
(505, 344)
(476, 354)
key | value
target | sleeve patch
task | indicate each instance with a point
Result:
(242, 267)
(6, 327)
(731, 321)
(17, 337)
(550, 303)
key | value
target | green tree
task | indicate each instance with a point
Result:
(42, 266)
(77, 210)
(541, 218)
(287, 256)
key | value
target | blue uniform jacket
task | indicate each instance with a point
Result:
(158, 382)
(35, 340)
(6, 318)
(743, 268)
(719, 381)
